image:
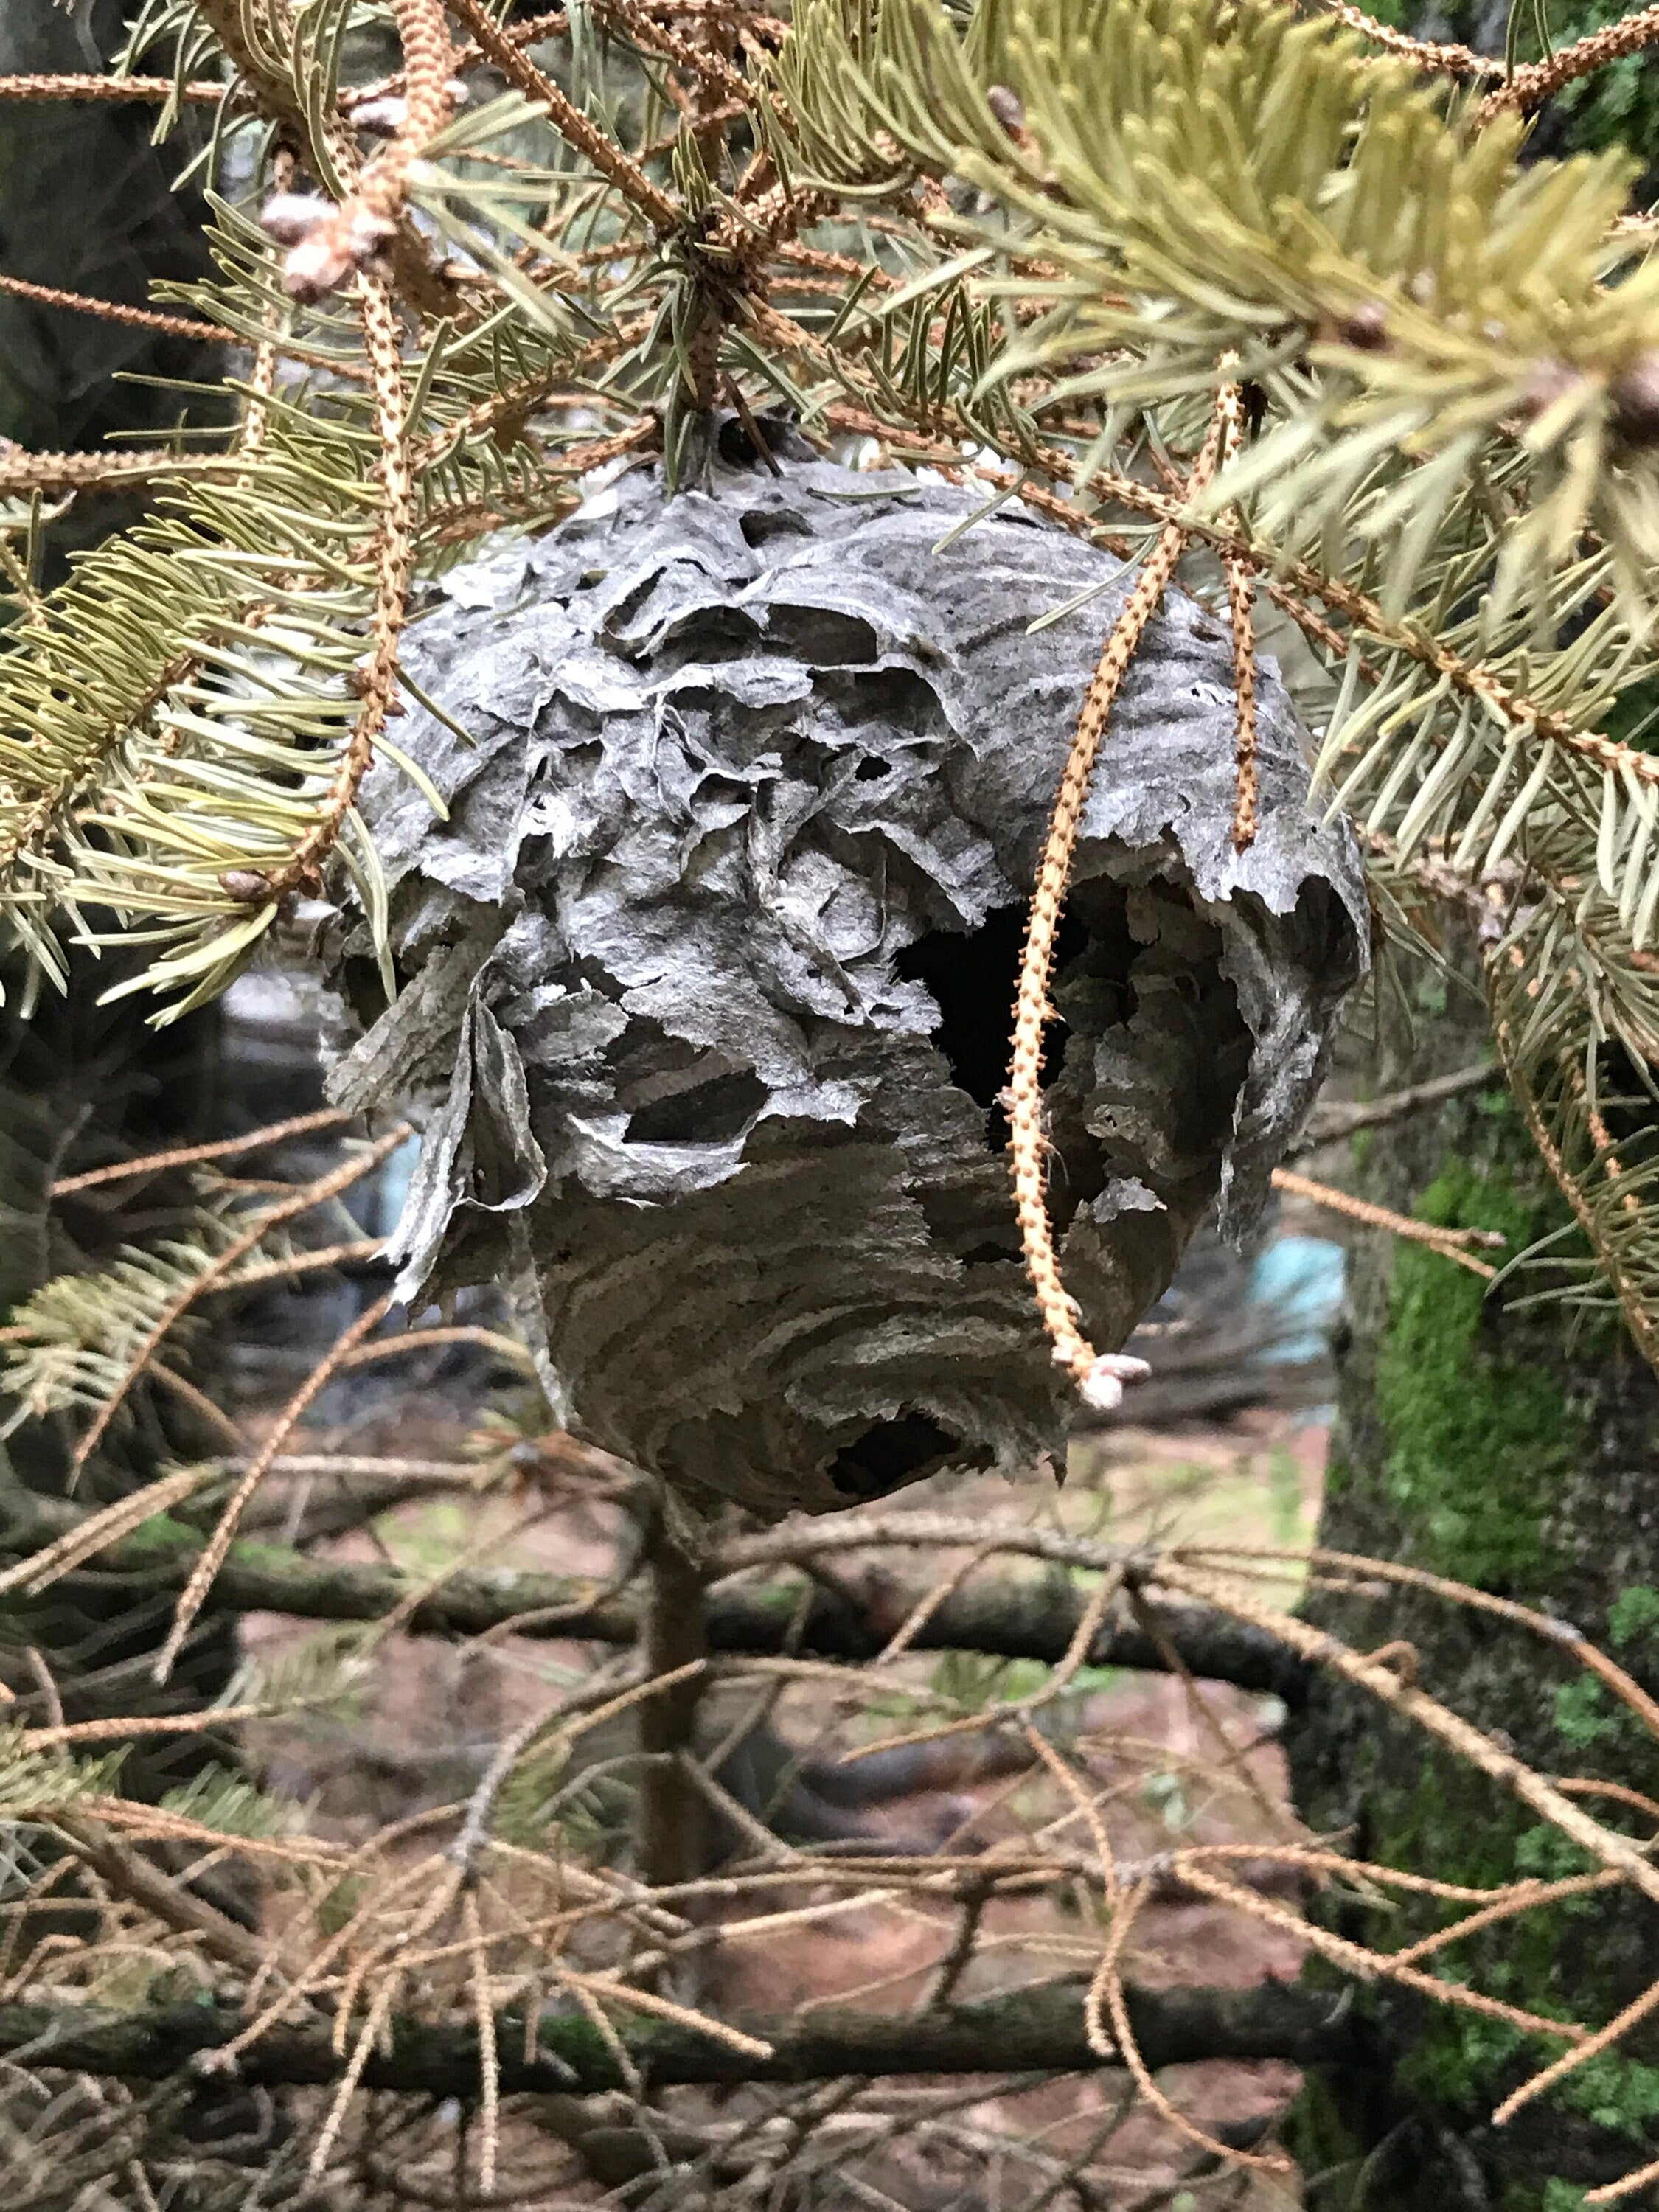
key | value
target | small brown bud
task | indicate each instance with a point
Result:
(1365, 328)
(1399, 1657)
(1634, 399)
(1550, 380)
(1007, 108)
(367, 233)
(381, 118)
(248, 885)
(354, 238)
(288, 217)
(316, 267)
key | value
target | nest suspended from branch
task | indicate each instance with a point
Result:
(707, 978)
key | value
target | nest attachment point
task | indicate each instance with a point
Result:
(706, 980)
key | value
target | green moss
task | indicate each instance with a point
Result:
(1544, 1854)
(1618, 2093)
(1480, 1441)
(1460, 2062)
(340, 1903)
(166, 1532)
(249, 1552)
(1455, 2060)
(1317, 2131)
(163, 1533)
(1451, 1819)
(782, 1598)
(1633, 1613)
(1585, 1716)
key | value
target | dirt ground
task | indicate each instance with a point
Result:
(1171, 1765)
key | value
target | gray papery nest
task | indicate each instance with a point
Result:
(707, 978)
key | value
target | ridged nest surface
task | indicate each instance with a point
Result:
(705, 982)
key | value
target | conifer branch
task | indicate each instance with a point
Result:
(1038, 2030)
(1425, 53)
(1537, 82)
(584, 137)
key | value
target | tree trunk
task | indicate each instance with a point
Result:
(672, 1825)
(1509, 1447)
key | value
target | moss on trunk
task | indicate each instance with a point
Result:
(1506, 1443)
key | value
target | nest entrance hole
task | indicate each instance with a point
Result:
(890, 1454)
(972, 976)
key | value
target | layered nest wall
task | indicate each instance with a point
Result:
(705, 979)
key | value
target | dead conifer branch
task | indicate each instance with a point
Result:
(54, 86)
(224, 1265)
(1467, 1742)
(1453, 1242)
(194, 1592)
(1614, 2192)
(1427, 53)
(36, 1571)
(584, 136)
(1536, 81)
(114, 310)
(1242, 623)
(275, 1133)
(1032, 1011)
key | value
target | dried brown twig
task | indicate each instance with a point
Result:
(447, 1923)
(1536, 81)
(1427, 53)
(1027, 1143)
(222, 1266)
(1454, 1242)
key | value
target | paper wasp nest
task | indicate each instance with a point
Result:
(706, 981)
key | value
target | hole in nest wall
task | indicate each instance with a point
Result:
(708, 1113)
(761, 526)
(890, 1454)
(821, 636)
(971, 976)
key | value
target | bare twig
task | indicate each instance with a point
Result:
(194, 1594)
(1538, 80)
(1332, 1123)
(1450, 1242)
(1035, 2030)
(183, 1156)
